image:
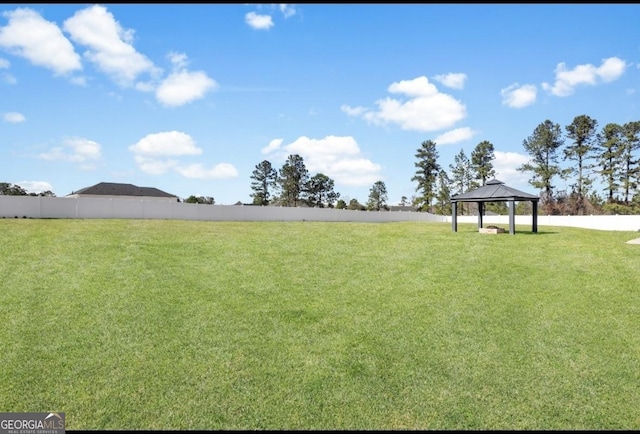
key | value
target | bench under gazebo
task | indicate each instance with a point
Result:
(495, 191)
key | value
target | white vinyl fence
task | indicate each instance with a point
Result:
(601, 222)
(132, 208)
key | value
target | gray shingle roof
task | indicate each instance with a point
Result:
(116, 189)
(494, 191)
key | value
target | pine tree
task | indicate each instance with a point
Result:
(264, 177)
(542, 146)
(481, 162)
(462, 176)
(583, 132)
(377, 197)
(426, 175)
(631, 170)
(443, 194)
(293, 177)
(610, 158)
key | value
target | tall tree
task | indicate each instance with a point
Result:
(583, 132)
(426, 175)
(293, 177)
(320, 192)
(481, 161)
(377, 197)
(542, 146)
(630, 171)
(610, 158)
(462, 175)
(264, 178)
(443, 193)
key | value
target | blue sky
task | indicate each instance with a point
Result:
(189, 98)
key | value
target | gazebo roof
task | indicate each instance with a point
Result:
(494, 191)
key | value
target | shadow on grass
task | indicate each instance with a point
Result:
(517, 232)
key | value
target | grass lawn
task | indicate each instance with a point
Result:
(152, 324)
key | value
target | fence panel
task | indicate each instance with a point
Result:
(95, 207)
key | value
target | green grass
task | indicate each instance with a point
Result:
(149, 324)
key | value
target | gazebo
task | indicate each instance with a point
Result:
(495, 191)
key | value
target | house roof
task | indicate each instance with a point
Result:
(116, 189)
(494, 191)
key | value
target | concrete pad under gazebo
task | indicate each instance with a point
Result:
(495, 191)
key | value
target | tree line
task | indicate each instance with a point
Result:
(610, 154)
(292, 185)
(9, 189)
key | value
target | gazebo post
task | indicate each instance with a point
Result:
(480, 215)
(454, 216)
(534, 216)
(512, 217)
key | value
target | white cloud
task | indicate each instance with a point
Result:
(109, 45)
(258, 22)
(455, 136)
(75, 150)
(154, 166)
(14, 117)
(40, 41)
(153, 155)
(169, 143)
(272, 146)
(566, 80)
(147, 86)
(427, 109)
(355, 172)
(453, 80)
(9, 79)
(516, 96)
(178, 60)
(35, 186)
(611, 69)
(287, 10)
(183, 87)
(352, 111)
(337, 157)
(78, 81)
(418, 87)
(506, 164)
(198, 171)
